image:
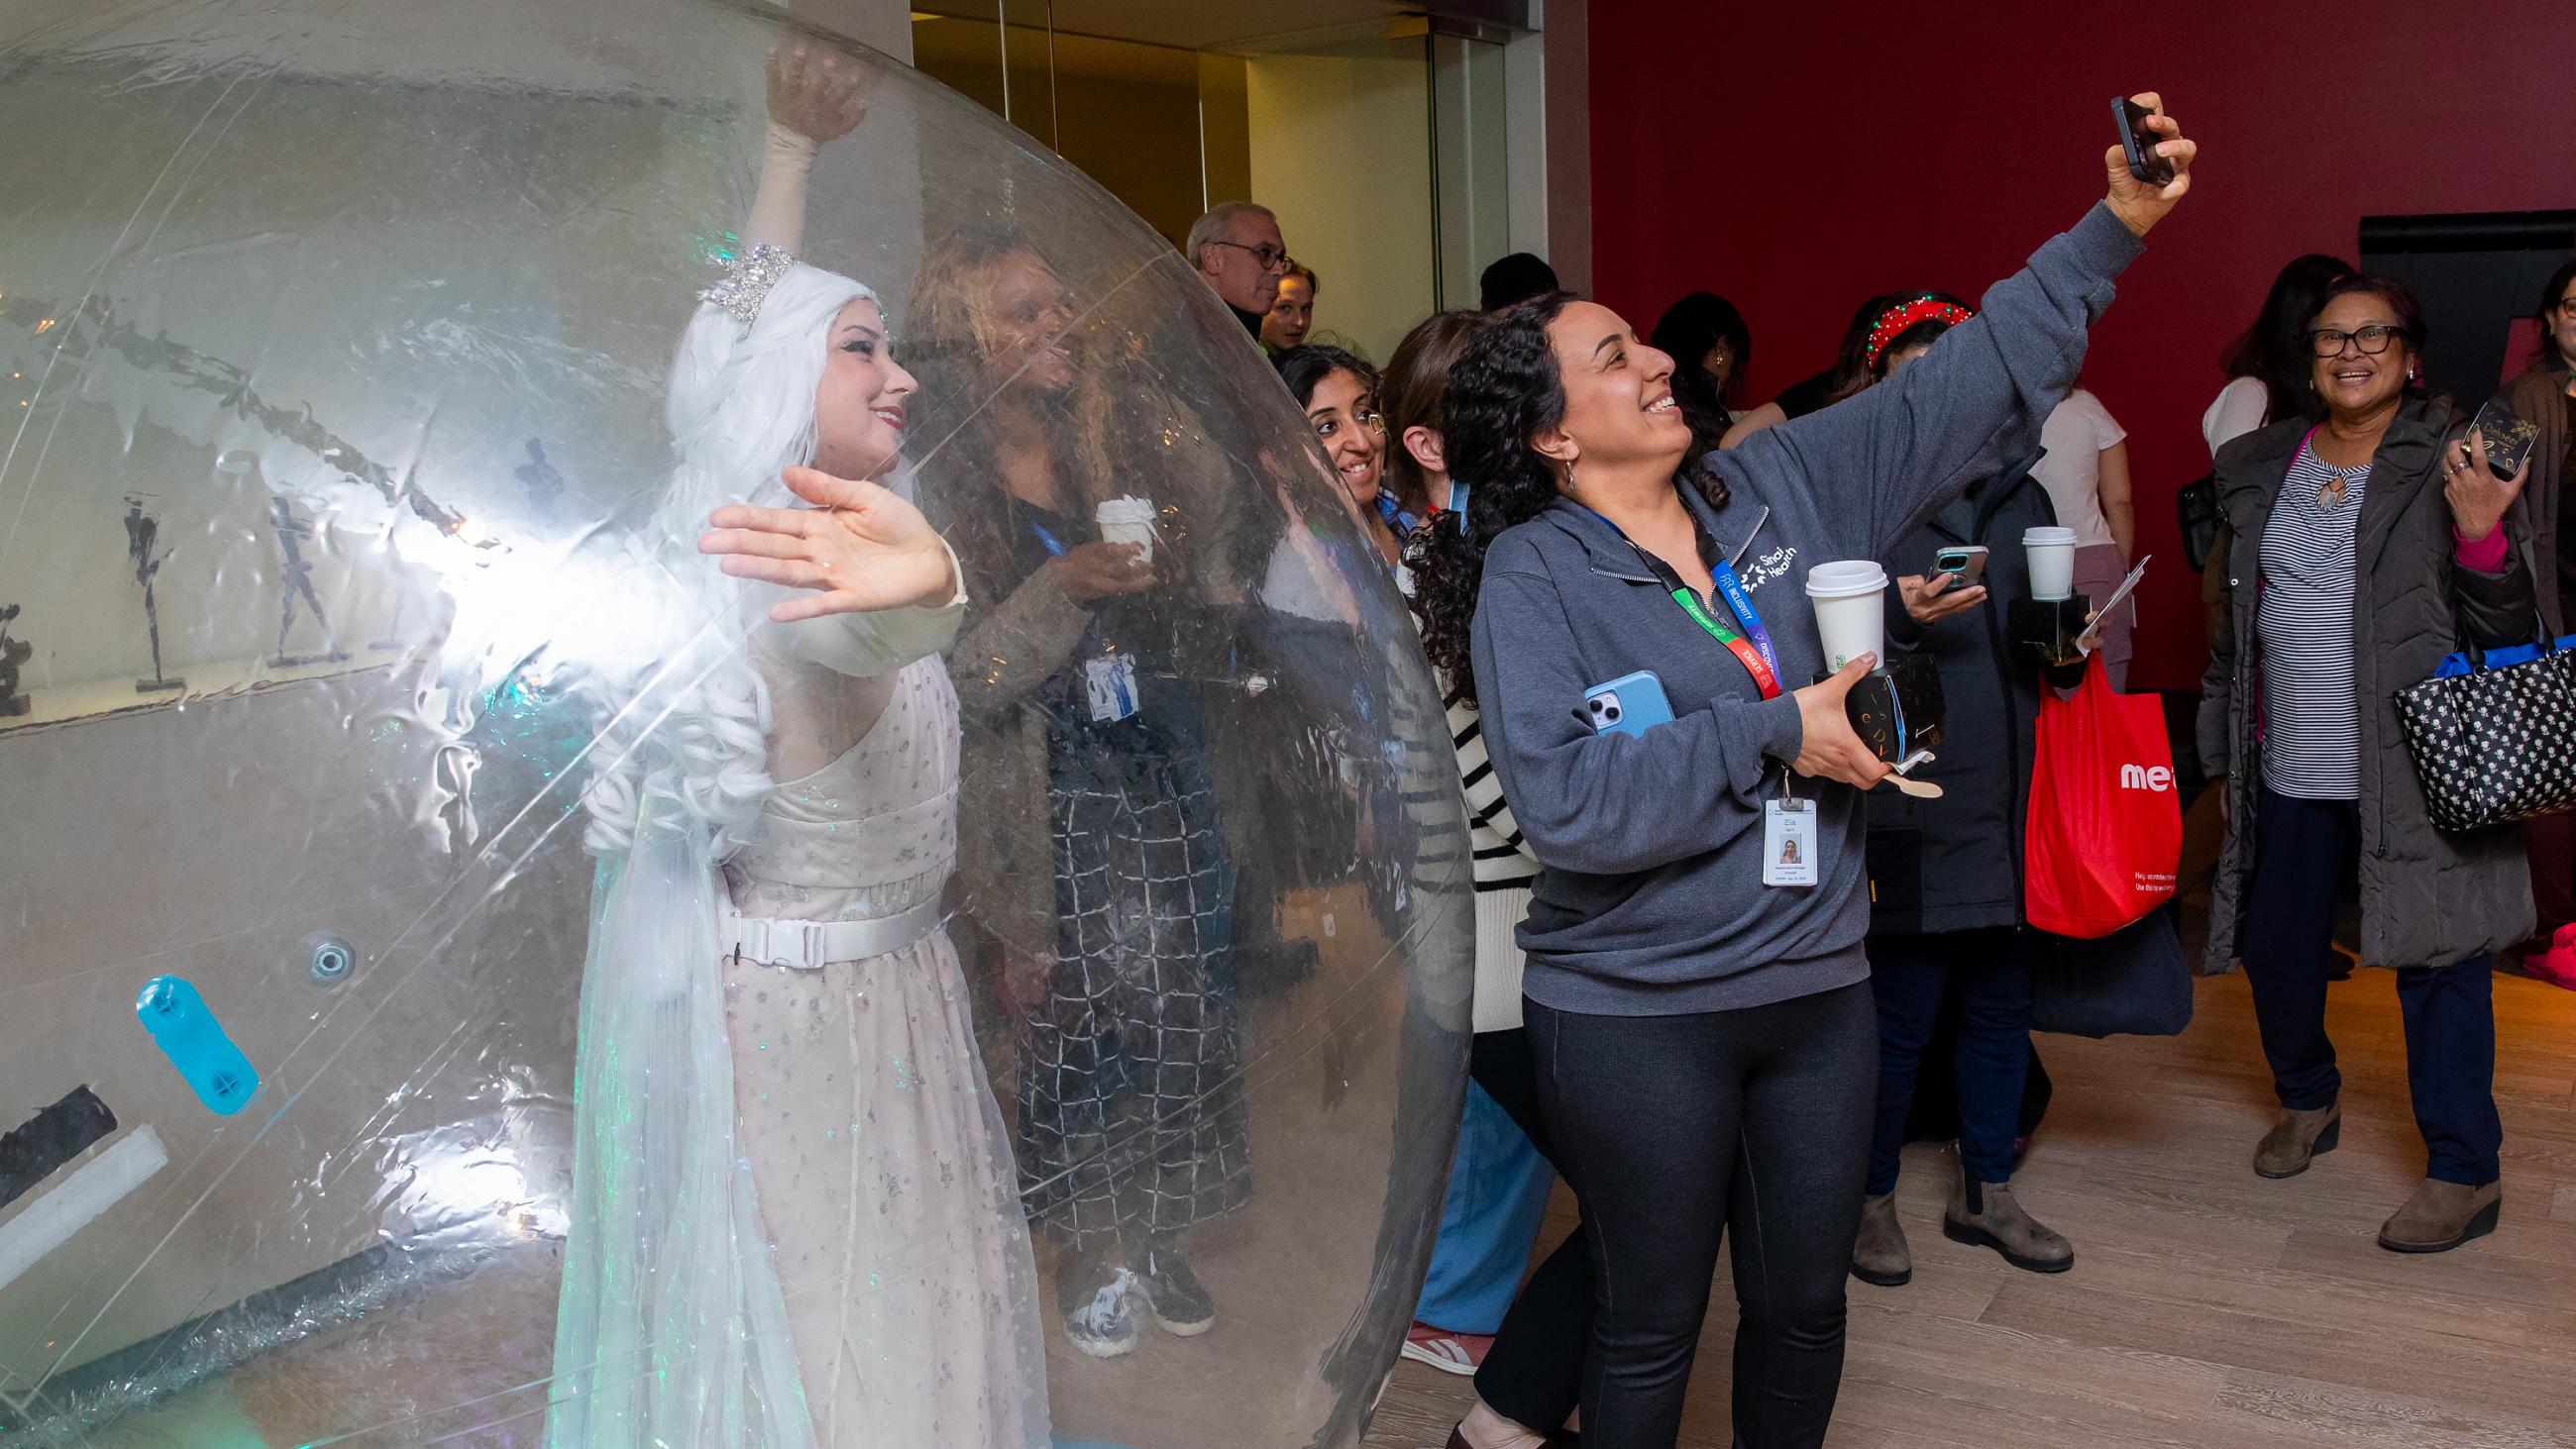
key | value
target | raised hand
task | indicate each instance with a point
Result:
(1828, 749)
(2478, 498)
(817, 92)
(859, 549)
(2136, 203)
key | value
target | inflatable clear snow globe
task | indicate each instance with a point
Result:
(482, 971)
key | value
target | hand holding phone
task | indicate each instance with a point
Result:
(1965, 564)
(2138, 139)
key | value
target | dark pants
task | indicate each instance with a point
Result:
(2551, 842)
(1533, 1375)
(1676, 1131)
(1987, 972)
(2302, 851)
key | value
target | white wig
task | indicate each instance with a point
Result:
(741, 411)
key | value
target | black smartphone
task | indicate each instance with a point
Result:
(2140, 142)
(2508, 438)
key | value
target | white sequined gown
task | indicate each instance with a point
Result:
(879, 1158)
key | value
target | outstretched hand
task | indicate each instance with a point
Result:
(2139, 205)
(859, 549)
(817, 92)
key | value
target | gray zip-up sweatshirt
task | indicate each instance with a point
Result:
(1650, 898)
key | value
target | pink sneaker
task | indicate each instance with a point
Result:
(2557, 965)
(1451, 1353)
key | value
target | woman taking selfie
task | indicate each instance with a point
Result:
(1705, 1040)
(2362, 546)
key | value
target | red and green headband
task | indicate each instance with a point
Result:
(1893, 322)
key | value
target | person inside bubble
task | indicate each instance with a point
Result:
(1086, 724)
(794, 1221)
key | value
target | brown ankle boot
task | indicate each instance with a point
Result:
(2441, 1216)
(2296, 1139)
(1985, 1215)
(1880, 1256)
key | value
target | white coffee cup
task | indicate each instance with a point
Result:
(1127, 520)
(2049, 553)
(1849, 598)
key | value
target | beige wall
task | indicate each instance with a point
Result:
(1341, 149)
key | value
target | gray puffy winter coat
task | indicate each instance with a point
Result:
(2427, 898)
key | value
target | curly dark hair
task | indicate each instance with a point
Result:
(1504, 390)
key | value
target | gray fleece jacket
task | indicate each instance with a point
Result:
(1650, 898)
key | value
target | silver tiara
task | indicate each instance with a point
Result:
(747, 280)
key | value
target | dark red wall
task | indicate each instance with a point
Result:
(1799, 156)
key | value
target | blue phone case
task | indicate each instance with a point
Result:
(1628, 705)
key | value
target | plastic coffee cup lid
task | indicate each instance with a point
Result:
(1124, 510)
(1845, 579)
(2046, 535)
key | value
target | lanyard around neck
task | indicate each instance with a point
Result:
(1755, 653)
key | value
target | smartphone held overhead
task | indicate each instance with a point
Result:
(2139, 140)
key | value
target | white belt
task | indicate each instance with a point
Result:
(808, 944)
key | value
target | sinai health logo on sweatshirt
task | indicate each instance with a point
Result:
(2156, 778)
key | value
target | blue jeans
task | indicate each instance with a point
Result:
(1498, 1188)
(1988, 972)
(2302, 851)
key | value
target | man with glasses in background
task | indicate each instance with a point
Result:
(1238, 249)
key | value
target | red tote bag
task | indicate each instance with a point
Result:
(2104, 836)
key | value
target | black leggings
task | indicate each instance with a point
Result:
(1533, 1374)
(1677, 1130)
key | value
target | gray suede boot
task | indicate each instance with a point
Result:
(1880, 1256)
(2441, 1216)
(1984, 1215)
(2296, 1139)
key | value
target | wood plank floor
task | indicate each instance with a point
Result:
(2208, 1307)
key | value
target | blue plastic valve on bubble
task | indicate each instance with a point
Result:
(185, 1029)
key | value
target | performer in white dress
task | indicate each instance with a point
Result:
(795, 1218)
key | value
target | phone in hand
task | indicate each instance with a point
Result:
(1628, 705)
(2508, 438)
(1965, 564)
(2140, 142)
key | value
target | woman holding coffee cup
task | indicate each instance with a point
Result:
(2368, 540)
(1699, 1008)
(1082, 720)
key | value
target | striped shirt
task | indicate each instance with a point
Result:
(1503, 861)
(2303, 618)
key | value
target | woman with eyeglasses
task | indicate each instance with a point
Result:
(2367, 538)
(2545, 397)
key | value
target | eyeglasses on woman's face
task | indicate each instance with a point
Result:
(2566, 307)
(2370, 339)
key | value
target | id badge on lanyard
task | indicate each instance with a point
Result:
(1108, 681)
